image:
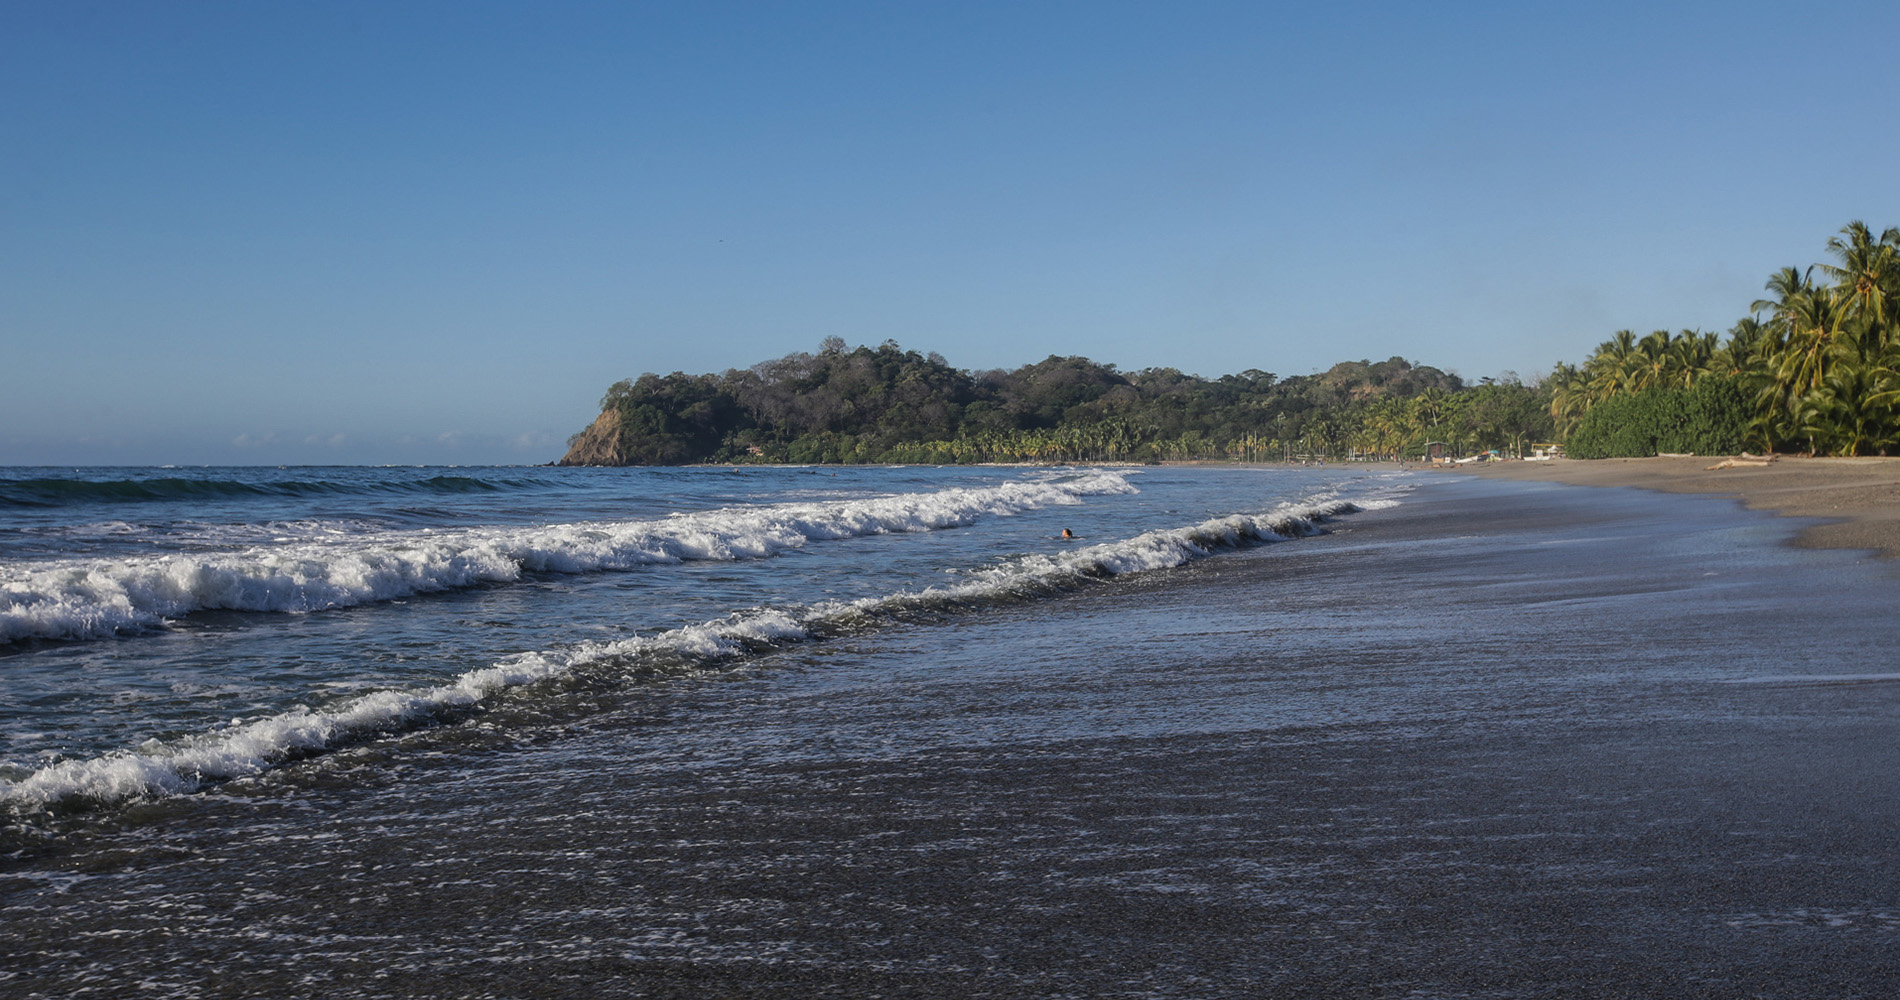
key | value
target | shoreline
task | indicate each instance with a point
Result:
(1856, 499)
(1532, 770)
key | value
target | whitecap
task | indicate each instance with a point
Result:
(243, 749)
(94, 598)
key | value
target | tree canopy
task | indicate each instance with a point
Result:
(1814, 368)
(889, 404)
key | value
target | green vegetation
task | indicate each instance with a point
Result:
(887, 404)
(1816, 369)
(1709, 417)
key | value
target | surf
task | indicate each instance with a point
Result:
(82, 599)
(243, 749)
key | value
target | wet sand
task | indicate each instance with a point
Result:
(1858, 497)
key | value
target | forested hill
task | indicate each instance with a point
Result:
(887, 404)
(1815, 368)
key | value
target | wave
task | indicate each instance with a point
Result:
(248, 749)
(68, 492)
(95, 598)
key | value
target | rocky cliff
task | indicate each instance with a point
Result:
(599, 444)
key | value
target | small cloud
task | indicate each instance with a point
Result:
(249, 441)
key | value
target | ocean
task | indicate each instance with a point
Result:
(1331, 731)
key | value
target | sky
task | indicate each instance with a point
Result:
(435, 233)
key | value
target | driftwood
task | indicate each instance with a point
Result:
(1745, 461)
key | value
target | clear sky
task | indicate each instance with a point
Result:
(245, 233)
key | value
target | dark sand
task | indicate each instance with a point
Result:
(1860, 497)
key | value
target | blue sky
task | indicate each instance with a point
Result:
(243, 233)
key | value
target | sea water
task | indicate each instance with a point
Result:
(163, 630)
(878, 732)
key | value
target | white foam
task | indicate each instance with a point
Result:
(245, 749)
(92, 598)
(1151, 550)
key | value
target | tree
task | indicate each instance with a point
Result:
(1867, 279)
(1845, 415)
(1817, 361)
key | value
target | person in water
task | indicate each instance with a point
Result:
(1067, 535)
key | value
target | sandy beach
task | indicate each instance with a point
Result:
(1858, 497)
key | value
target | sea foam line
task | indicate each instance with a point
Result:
(246, 749)
(94, 598)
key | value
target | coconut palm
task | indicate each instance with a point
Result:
(1650, 367)
(1786, 285)
(1570, 397)
(1691, 353)
(1742, 355)
(1821, 357)
(1814, 324)
(1843, 415)
(1867, 279)
(1430, 405)
(1612, 368)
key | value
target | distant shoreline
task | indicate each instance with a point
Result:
(1858, 497)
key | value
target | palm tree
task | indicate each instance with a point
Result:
(1651, 364)
(1813, 324)
(1867, 279)
(1787, 285)
(1691, 354)
(1774, 420)
(1570, 397)
(1431, 404)
(1842, 415)
(1612, 368)
(1821, 359)
(1741, 356)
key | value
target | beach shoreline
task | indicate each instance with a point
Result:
(1856, 499)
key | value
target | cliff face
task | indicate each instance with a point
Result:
(599, 444)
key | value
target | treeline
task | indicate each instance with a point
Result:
(1815, 369)
(888, 404)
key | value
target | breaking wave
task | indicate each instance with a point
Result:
(95, 598)
(245, 749)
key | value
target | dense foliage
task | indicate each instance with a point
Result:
(1815, 369)
(887, 404)
(1709, 417)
